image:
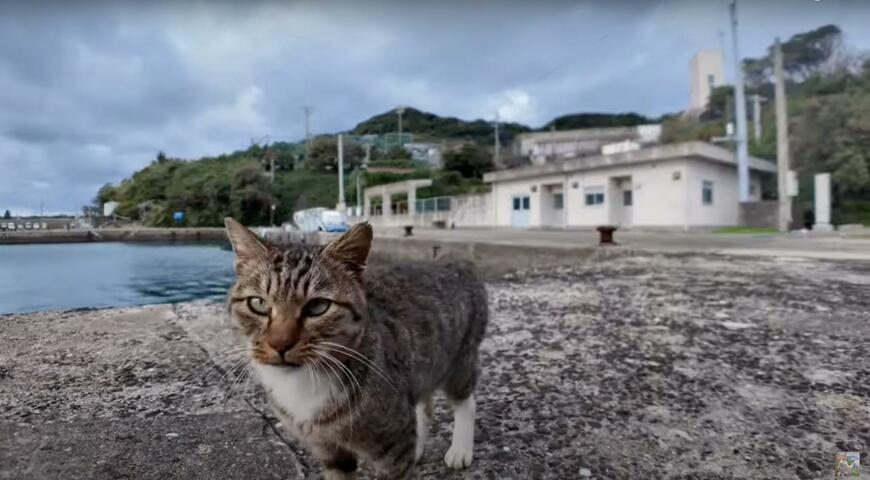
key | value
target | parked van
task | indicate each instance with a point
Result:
(320, 220)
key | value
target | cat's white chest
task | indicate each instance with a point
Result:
(295, 391)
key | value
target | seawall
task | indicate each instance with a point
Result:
(113, 235)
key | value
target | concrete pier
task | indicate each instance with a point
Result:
(631, 366)
(113, 235)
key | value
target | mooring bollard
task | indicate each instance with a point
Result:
(605, 235)
(409, 230)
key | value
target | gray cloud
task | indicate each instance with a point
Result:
(90, 91)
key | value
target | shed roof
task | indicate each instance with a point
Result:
(697, 150)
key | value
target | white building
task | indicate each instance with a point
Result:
(109, 208)
(686, 185)
(707, 71)
(428, 153)
(543, 147)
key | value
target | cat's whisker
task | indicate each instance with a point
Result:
(347, 397)
(230, 353)
(239, 363)
(351, 351)
(349, 373)
(365, 361)
(238, 378)
(343, 387)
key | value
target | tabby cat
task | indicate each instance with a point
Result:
(350, 358)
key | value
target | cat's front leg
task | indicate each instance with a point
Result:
(396, 455)
(338, 463)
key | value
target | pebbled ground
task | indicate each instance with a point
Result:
(689, 367)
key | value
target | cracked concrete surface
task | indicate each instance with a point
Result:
(692, 367)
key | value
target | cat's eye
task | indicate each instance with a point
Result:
(258, 305)
(317, 307)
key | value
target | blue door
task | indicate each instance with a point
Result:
(520, 211)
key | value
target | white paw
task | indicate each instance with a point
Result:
(459, 456)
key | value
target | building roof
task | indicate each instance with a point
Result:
(657, 153)
(647, 132)
(396, 188)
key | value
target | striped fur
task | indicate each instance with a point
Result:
(352, 382)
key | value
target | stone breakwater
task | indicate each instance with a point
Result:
(113, 235)
(690, 367)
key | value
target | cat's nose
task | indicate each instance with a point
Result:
(282, 348)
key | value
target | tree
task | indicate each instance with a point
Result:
(596, 120)
(106, 193)
(470, 161)
(7, 215)
(818, 51)
(250, 195)
(324, 154)
(397, 153)
(719, 103)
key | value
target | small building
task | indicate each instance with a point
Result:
(543, 147)
(428, 153)
(109, 208)
(685, 185)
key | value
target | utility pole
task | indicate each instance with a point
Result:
(341, 204)
(740, 107)
(400, 111)
(359, 170)
(307, 111)
(756, 116)
(497, 147)
(782, 155)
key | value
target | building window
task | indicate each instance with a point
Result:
(707, 192)
(711, 80)
(627, 198)
(558, 201)
(525, 203)
(594, 195)
(517, 203)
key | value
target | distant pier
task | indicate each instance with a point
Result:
(113, 235)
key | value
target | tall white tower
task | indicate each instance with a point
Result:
(707, 71)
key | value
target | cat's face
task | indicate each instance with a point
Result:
(292, 303)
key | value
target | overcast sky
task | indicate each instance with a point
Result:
(90, 91)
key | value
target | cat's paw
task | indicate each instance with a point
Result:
(459, 456)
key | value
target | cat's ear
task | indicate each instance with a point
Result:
(353, 247)
(246, 245)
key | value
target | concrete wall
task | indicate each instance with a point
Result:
(471, 211)
(725, 208)
(657, 201)
(503, 193)
(764, 214)
(114, 235)
(658, 196)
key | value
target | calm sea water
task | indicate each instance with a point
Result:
(79, 275)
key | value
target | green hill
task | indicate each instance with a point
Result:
(429, 127)
(597, 120)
